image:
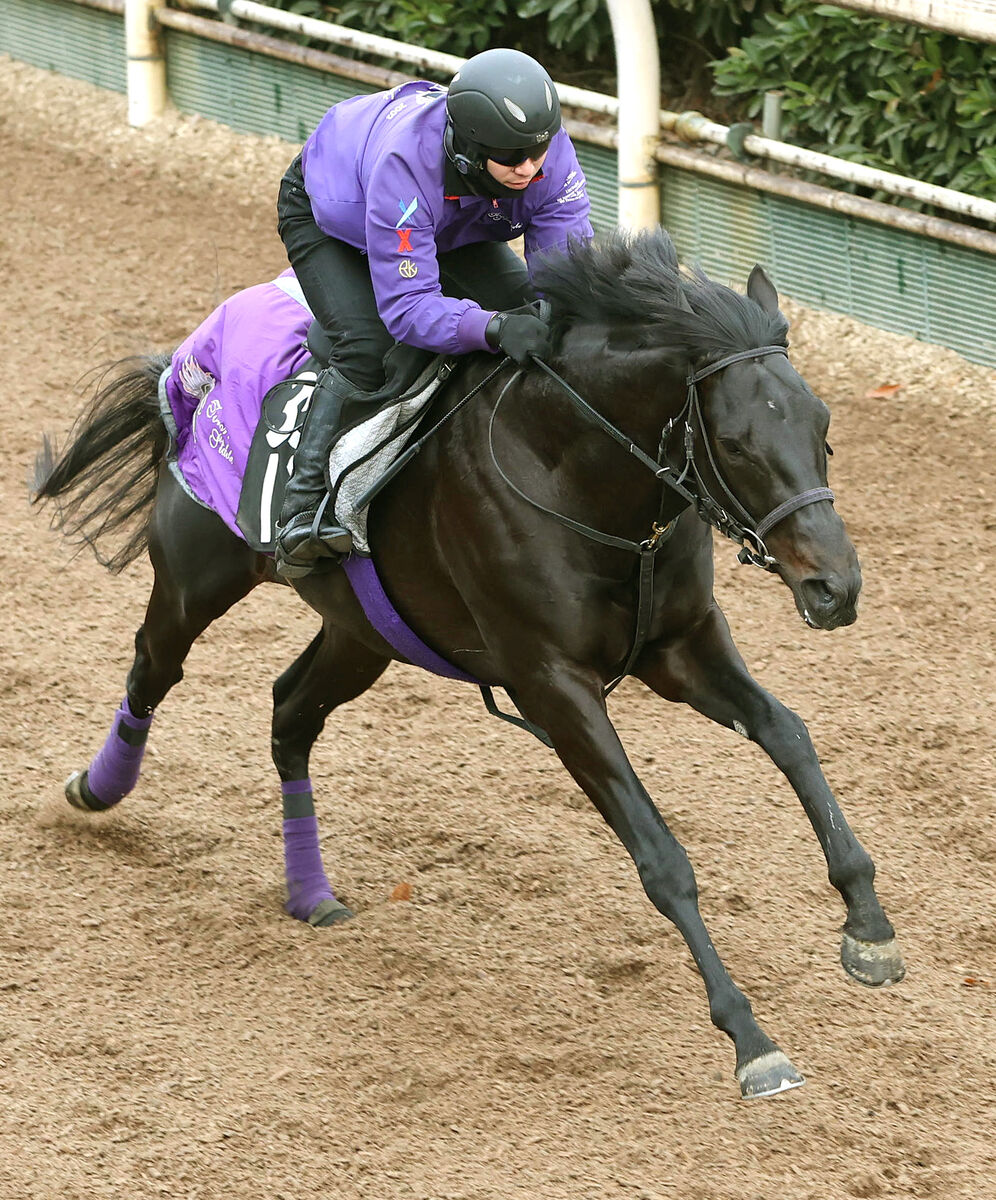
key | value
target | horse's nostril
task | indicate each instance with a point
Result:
(820, 596)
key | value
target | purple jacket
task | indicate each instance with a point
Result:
(374, 172)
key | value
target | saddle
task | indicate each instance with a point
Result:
(365, 447)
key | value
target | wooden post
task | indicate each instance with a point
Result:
(146, 73)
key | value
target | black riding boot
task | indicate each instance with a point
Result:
(300, 545)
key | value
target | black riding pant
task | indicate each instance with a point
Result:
(335, 278)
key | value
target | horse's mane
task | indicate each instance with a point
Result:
(633, 279)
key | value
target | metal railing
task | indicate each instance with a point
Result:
(689, 127)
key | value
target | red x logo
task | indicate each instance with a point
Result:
(404, 241)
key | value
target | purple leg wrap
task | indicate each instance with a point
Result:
(114, 770)
(307, 885)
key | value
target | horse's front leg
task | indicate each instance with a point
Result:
(705, 670)
(569, 706)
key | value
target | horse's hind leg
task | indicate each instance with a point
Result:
(705, 671)
(334, 669)
(201, 570)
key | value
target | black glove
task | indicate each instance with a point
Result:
(519, 335)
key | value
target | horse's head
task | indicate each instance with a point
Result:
(754, 450)
(763, 458)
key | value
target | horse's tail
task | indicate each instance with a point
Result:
(104, 482)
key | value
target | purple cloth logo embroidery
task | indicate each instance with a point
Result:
(194, 379)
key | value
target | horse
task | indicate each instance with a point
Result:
(553, 535)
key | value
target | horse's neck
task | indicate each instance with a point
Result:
(637, 394)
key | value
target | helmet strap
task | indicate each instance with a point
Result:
(466, 164)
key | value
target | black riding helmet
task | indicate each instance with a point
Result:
(501, 105)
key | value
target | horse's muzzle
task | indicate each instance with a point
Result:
(829, 603)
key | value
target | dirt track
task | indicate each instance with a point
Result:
(525, 1026)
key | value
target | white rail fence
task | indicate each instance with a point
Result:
(972, 19)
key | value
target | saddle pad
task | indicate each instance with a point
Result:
(216, 383)
(362, 453)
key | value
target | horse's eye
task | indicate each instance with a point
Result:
(731, 446)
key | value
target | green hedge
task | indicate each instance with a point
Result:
(580, 29)
(885, 93)
(888, 94)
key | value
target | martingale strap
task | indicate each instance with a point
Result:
(647, 549)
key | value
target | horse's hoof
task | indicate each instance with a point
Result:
(79, 795)
(767, 1076)
(872, 963)
(329, 912)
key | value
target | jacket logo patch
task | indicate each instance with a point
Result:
(406, 210)
(404, 241)
(495, 214)
(574, 189)
(407, 269)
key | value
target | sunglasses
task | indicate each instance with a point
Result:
(512, 158)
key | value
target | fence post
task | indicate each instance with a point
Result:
(146, 71)
(638, 87)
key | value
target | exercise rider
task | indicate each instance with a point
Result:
(395, 217)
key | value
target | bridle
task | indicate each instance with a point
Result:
(742, 529)
(689, 485)
(709, 510)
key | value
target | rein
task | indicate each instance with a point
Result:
(706, 506)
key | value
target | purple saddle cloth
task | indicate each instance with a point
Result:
(212, 395)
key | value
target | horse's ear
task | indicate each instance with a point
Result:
(761, 290)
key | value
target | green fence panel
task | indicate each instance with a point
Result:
(251, 92)
(720, 228)
(601, 170)
(84, 43)
(884, 277)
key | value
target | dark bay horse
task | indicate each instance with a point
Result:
(513, 545)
